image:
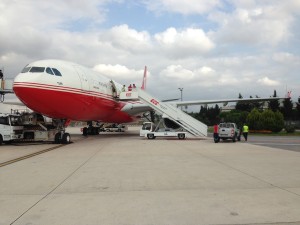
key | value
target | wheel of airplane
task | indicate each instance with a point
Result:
(1, 139)
(85, 131)
(57, 138)
(95, 131)
(66, 139)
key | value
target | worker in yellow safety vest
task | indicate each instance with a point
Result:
(245, 131)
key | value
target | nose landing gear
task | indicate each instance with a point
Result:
(62, 137)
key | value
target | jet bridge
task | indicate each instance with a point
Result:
(168, 110)
(6, 87)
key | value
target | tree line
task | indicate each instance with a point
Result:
(255, 114)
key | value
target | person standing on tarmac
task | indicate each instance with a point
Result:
(245, 131)
(1, 81)
(216, 133)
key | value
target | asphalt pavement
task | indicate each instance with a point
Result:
(291, 143)
(124, 179)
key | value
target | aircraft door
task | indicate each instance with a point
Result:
(83, 78)
(114, 89)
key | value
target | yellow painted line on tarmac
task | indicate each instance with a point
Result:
(29, 155)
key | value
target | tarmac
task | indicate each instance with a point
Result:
(125, 179)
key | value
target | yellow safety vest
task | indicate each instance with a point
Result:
(245, 129)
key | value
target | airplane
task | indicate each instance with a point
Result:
(68, 91)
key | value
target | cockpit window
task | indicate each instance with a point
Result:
(36, 69)
(26, 69)
(56, 72)
(48, 70)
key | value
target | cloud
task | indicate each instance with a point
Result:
(267, 82)
(206, 70)
(262, 25)
(56, 13)
(286, 58)
(202, 77)
(212, 49)
(125, 38)
(188, 42)
(177, 72)
(119, 72)
(183, 7)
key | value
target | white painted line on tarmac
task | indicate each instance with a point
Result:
(269, 143)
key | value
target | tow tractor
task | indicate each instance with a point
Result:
(9, 128)
(115, 128)
(151, 131)
(26, 126)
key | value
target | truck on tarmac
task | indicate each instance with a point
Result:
(151, 131)
(229, 131)
(115, 128)
(9, 128)
(26, 127)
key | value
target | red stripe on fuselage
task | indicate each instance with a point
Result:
(71, 103)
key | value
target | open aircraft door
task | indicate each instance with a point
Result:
(114, 89)
(84, 81)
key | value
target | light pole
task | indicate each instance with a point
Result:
(180, 89)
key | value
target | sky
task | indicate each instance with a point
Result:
(213, 49)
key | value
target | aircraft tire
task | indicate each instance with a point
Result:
(85, 131)
(1, 139)
(66, 139)
(57, 138)
(94, 130)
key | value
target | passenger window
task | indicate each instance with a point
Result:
(56, 72)
(48, 70)
(26, 69)
(36, 69)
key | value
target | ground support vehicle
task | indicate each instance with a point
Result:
(29, 127)
(147, 128)
(10, 130)
(95, 130)
(115, 128)
(37, 127)
(166, 133)
(151, 131)
(92, 130)
(229, 131)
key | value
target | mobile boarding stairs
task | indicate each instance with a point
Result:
(168, 110)
(6, 87)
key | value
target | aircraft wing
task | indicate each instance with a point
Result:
(225, 101)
